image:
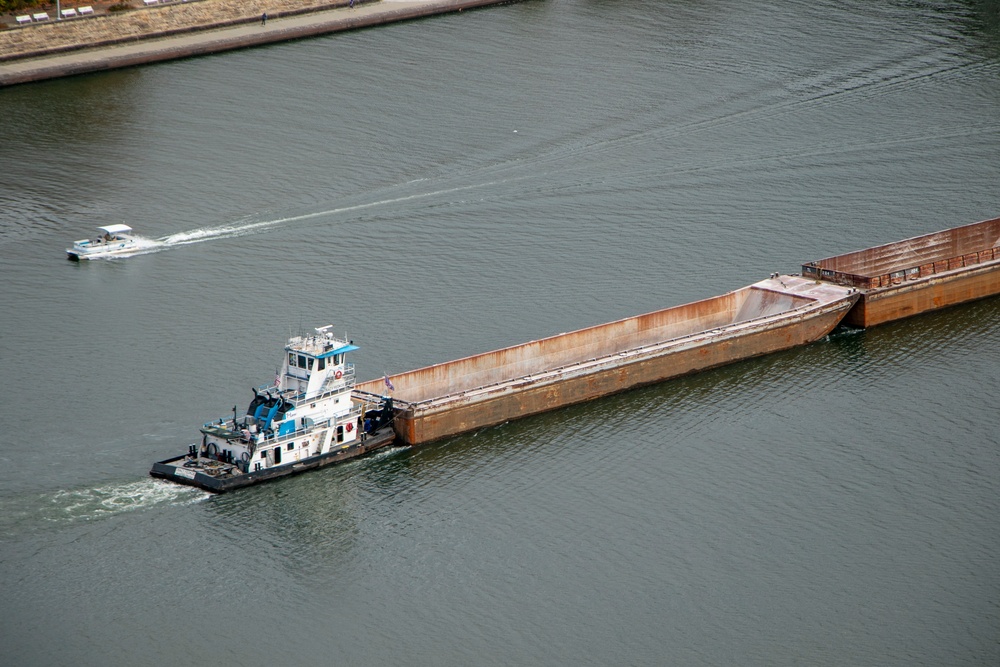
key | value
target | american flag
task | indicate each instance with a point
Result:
(388, 382)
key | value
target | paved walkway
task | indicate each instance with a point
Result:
(164, 18)
(239, 32)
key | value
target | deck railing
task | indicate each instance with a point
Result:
(814, 270)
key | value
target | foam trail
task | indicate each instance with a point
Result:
(32, 511)
(101, 501)
(230, 231)
(144, 243)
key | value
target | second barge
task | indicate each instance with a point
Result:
(916, 275)
(486, 389)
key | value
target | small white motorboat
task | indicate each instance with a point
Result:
(113, 240)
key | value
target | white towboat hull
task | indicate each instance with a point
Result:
(221, 478)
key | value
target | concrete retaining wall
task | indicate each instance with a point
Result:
(181, 30)
(157, 21)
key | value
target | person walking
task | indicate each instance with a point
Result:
(263, 18)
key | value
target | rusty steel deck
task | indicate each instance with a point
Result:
(490, 388)
(913, 276)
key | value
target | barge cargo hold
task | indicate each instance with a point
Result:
(917, 275)
(486, 389)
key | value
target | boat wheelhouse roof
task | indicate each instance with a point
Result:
(116, 229)
(339, 350)
(322, 353)
(320, 345)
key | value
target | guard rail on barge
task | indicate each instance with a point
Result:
(486, 389)
(917, 275)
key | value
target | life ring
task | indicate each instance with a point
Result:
(338, 375)
(350, 427)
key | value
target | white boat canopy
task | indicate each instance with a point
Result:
(116, 229)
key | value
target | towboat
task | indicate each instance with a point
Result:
(307, 418)
(112, 241)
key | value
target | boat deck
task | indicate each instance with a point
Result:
(218, 476)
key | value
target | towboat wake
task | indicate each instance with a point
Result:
(93, 503)
(103, 501)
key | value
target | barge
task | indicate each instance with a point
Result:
(916, 275)
(487, 389)
(305, 419)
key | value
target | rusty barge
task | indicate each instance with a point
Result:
(487, 389)
(916, 275)
(280, 435)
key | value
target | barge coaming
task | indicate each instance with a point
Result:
(917, 275)
(910, 298)
(487, 389)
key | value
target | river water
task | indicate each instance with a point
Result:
(452, 185)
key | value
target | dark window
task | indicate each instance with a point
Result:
(263, 454)
(302, 361)
(291, 359)
(321, 365)
(310, 362)
(291, 446)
